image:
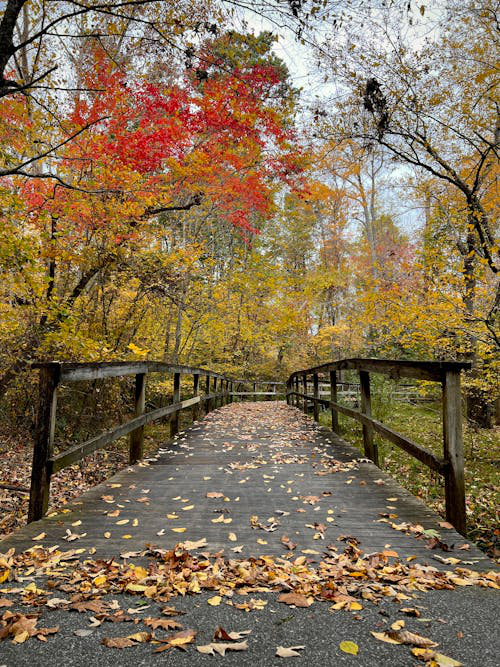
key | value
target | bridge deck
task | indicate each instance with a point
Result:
(268, 461)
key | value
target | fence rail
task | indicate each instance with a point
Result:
(218, 390)
(451, 466)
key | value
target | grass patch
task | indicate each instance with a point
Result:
(423, 424)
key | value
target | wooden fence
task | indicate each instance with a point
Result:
(450, 466)
(52, 375)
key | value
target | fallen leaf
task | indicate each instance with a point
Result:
(164, 623)
(349, 647)
(215, 601)
(220, 633)
(295, 599)
(412, 638)
(117, 642)
(84, 632)
(221, 648)
(39, 537)
(288, 652)
(194, 545)
(178, 530)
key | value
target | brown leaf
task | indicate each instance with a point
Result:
(96, 606)
(220, 633)
(295, 599)
(288, 542)
(118, 642)
(164, 623)
(215, 494)
(412, 638)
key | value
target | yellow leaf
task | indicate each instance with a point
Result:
(232, 537)
(4, 575)
(178, 530)
(126, 537)
(349, 647)
(188, 507)
(107, 534)
(261, 541)
(99, 581)
(215, 601)
(39, 537)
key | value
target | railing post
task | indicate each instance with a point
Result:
(44, 442)
(207, 392)
(196, 392)
(296, 401)
(454, 452)
(136, 443)
(333, 398)
(174, 420)
(213, 403)
(304, 383)
(254, 391)
(371, 449)
(316, 396)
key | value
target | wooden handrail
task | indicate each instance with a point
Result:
(451, 466)
(219, 388)
(54, 374)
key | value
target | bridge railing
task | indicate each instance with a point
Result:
(254, 389)
(54, 374)
(450, 466)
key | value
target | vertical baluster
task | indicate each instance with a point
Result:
(334, 398)
(136, 444)
(196, 392)
(454, 452)
(371, 450)
(174, 420)
(44, 442)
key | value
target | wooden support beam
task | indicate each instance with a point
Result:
(174, 420)
(213, 403)
(370, 448)
(136, 448)
(304, 382)
(44, 442)
(454, 452)
(196, 392)
(207, 392)
(333, 398)
(316, 396)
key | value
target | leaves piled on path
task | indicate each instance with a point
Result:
(21, 627)
(341, 578)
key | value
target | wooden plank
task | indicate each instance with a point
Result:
(395, 368)
(97, 370)
(417, 451)
(259, 393)
(77, 452)
(44, 442)
(454, 452)
(136, 451)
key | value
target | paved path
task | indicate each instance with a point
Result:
(245, 480)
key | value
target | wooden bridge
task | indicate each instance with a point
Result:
(263, 480)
